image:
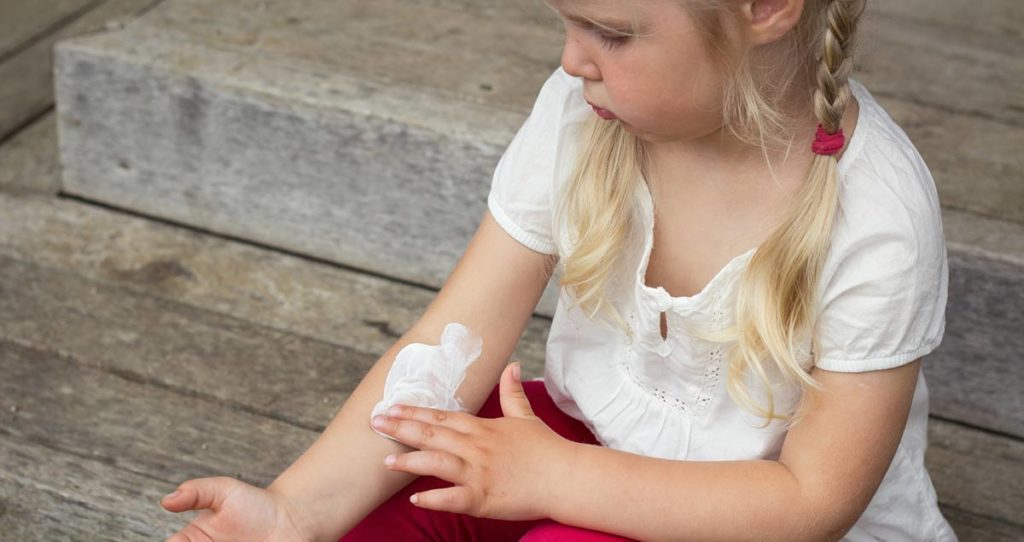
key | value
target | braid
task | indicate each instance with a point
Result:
(832, 91)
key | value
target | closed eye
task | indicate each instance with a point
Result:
(611, 41)
(608, 40)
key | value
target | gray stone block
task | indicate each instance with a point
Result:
(380, 161)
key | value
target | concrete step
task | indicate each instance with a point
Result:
(349, 131)
(367, 133)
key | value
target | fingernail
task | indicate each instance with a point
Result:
(515, 371)
(389, 459)
(173, 495)
(378, 422)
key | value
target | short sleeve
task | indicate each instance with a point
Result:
(525, 179)
(887, 277)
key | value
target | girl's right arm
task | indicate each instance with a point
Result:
(493, 291)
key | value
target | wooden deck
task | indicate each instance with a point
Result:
(136, 354)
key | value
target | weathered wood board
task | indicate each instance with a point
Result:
(26, 69)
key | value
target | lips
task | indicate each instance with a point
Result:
(603, 113)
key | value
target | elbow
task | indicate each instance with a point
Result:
(825, 512)
(815, 529)
(826, 518)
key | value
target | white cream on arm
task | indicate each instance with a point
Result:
(430, 375)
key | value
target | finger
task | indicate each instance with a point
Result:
(424, 435)
(514, 402)
(453, 419)
(457, 499)
(200, 493)
(442, 465)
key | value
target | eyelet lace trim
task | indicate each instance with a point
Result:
(661, 394)
(709, 382)
(713, 370)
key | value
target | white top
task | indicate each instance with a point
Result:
(884, 287)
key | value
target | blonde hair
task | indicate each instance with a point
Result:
(776, 297)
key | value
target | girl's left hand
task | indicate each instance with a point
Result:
(502, 468)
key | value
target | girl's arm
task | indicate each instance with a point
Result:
(493, 291)
(830, 466)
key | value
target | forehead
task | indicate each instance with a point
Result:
(620, 12)
(636, 14)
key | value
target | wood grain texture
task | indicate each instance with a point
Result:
(177, 347)
(26, 74)
(48, 494)
(282, 291)
(22, 22)
(118, 418)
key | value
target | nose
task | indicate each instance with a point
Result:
(575, 60)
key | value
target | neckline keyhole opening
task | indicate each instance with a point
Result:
(664, 326)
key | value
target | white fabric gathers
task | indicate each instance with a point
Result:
(883, 294)
(429, 376)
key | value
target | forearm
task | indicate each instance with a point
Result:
(339, 479)
(649, 498)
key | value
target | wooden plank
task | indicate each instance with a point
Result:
(976, 472)
(22, 21)
(278, 290)
(975, 162)
(88, 501)
(1001, 20)
(26, 77)
(974, 528)
(126, 420)
(28, 160)
(924, 64)
(272, 373)
(975, 375)
(970, 234)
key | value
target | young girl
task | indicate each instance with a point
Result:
(752, 266)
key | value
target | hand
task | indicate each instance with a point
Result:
(232, 510)
(501, 467)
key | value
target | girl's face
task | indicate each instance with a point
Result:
(662, 87)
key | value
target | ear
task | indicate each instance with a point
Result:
(769, 20)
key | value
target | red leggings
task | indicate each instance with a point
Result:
(396, 519)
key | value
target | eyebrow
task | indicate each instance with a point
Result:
(618, 25)
(610, 23)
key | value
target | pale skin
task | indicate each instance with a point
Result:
(830, 464)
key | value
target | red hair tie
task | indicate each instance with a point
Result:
(825, 143)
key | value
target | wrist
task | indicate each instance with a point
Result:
(562, 475)
(300, 517)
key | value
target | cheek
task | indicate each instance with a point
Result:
(684, 105)
(677, 108)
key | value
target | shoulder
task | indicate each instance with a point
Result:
(883, 286)
(887, 196)
(536, 161)
(887, 251)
